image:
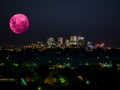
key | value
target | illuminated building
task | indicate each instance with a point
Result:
(97, 45)
(100, 45)
(80, 41)
(67, 43)
(60, 42)
(51, 42)
(76, 40)
(73, 40)
(37, 45)
(90, 45)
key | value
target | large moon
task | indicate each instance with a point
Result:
(19, 23)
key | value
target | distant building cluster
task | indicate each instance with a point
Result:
(73, 41)
(61, 42)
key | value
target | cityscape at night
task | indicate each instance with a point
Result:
(59, 44)
(69, 64)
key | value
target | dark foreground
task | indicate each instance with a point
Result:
(59, 70)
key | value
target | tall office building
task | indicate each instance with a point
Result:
(80, 41)
(51, 42)
(60, 42)
(76, 40)
(73, 40)
(67, 42)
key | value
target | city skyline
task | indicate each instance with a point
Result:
(98, 21)
(61, 42)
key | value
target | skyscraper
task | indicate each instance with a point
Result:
(51, 42)
(76, 40)
(67, 42)
(60, 42)
(73, 40)
(80, 41)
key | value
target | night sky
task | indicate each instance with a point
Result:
(97, 20)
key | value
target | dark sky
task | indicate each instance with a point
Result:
(97, 20)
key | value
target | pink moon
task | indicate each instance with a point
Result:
(19, 23)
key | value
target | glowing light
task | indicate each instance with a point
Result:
(15, 64)
(7, 79)
(87, 82)
(39, 88)
(23, 82)
(80, 77)
(62, 80)
(86, 64)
